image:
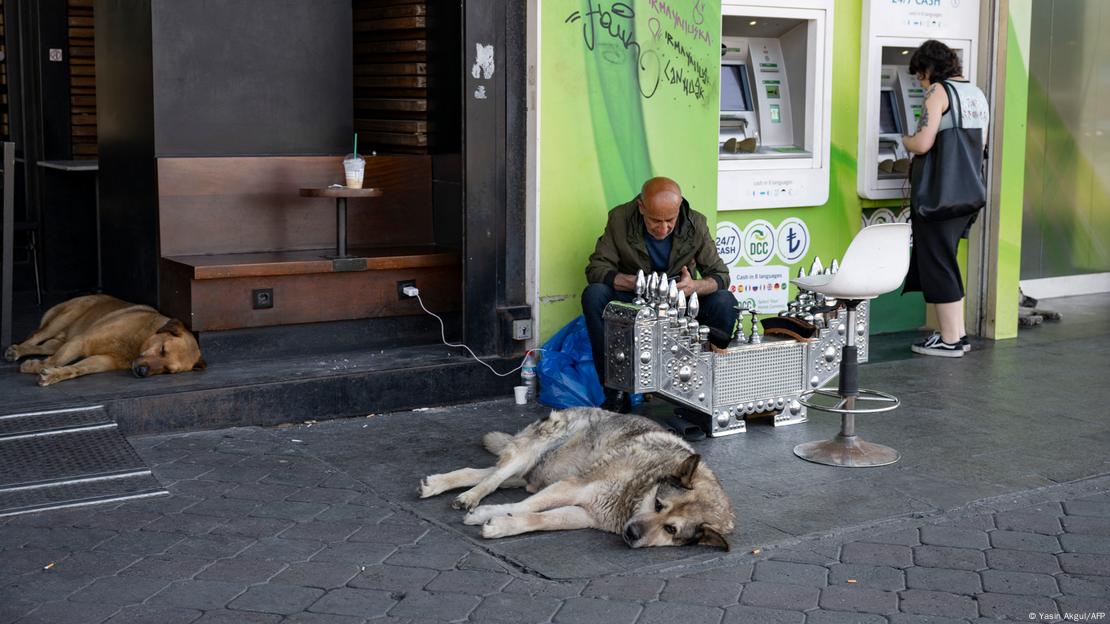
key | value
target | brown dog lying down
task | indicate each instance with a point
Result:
(100, 333)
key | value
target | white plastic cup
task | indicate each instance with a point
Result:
(354, 167)
(521, 394)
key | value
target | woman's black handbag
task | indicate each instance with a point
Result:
(947, 181)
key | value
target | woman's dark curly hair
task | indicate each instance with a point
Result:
(935, 61)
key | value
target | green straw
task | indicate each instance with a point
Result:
(356, 145)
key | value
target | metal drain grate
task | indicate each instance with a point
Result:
(57, 456)
(54, 420)
(79, 492)
(65, 458)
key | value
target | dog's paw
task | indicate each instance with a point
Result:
(483, 513)
(466, 500)
(49, 376)
(427, 488)
(11, 354)
(33, 367)
(431, 485)
(501, 526)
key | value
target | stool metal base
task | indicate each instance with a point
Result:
(847, 451)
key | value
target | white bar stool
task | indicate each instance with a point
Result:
(875, 263)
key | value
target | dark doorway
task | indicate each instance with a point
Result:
(50, 114)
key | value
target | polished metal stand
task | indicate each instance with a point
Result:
(847, 449)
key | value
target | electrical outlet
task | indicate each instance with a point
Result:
(401, 288)
(262, 298)
(514, 325)
(522, 329)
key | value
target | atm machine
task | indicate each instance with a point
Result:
(891, 99)
(776, 103)
(894, 160)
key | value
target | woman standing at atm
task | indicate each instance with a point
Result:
(933, 266)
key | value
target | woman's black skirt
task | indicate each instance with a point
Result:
(933, 267)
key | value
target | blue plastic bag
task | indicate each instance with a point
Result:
(566, 369)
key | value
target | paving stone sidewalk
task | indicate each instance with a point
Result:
(257, 530)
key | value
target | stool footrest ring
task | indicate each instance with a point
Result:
(889, 401)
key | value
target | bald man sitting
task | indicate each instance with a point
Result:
(656, 231)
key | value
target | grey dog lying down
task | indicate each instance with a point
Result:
(589, 468)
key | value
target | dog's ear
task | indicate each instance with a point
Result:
(200, 365)
(172, 326)
(684, 476)
(711, 537)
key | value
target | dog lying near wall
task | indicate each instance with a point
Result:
(589, 468)
(99, 333)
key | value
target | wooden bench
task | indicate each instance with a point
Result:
(242, 248)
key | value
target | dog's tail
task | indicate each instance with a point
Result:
(496, 441)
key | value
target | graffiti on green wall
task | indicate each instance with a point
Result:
(628, 91)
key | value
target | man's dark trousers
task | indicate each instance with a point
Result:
(717, 310)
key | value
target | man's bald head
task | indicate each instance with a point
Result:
(665, 189)
(659, 201)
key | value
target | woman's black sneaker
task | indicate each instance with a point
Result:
(933, 345)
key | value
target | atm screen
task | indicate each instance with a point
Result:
(888, 118)
(735, 95)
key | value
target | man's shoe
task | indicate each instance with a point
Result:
(965, 343)
(933, 345)
(617, 401)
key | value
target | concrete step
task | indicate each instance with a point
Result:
(238, 390)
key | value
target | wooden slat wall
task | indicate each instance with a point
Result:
(391, 75)
(82, 78)
(5, 130)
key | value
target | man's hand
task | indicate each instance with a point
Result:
(686, 283)
(689, 285)
(624, 283)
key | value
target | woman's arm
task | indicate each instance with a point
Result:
(935, 101)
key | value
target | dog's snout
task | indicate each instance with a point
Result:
(140, 370)
(632, 534)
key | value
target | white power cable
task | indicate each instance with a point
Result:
(413, 291)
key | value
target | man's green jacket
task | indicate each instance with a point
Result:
(621, 247)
